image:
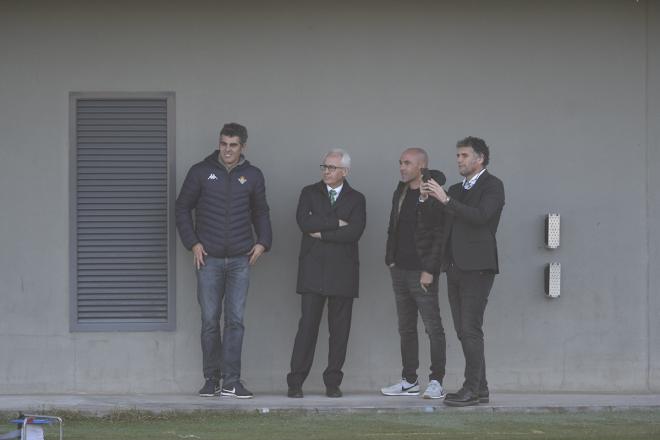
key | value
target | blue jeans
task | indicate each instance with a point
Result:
(411, 300)
(223, 280)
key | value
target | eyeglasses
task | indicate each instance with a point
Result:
(331, 168)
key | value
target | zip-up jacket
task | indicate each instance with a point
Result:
(428, 231)
(227, 204)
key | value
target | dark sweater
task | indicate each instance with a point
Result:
(405, 255)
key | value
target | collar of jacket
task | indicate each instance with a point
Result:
(324, 189)
(481, 178)
(477, 184)
(401, 192)
(213, 158)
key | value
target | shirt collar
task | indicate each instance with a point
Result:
(467, 184)
(337, 190)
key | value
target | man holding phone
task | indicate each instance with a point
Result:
(413, 254)
(472, 209)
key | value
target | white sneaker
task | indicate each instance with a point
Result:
(434, 391)
(403, 388)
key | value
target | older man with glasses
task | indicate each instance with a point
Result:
(332, 217)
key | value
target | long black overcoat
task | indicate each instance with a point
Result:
(330, 265)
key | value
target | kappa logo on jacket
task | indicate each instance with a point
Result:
(212, 176)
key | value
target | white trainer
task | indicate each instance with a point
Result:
(403, 388)
(434, 391)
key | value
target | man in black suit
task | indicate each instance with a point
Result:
(473, 209)
(332, 217)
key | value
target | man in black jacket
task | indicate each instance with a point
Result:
(413, 254)
(228, 196)
(332, 217)
(473, 209)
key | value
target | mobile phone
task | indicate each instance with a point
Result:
(426, 174)
(436, 175)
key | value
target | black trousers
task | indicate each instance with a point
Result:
(340, 310)
(412, 301)
(468, 295)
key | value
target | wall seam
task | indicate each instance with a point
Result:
(647, 193)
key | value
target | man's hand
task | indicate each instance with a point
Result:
(425, 280)
(198, 255)
(436, 191)
(342, 223)
(255, 253)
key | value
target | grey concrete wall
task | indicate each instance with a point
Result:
(561, 90)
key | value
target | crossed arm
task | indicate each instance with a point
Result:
(327, 226)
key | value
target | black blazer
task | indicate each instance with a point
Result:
(330, 265)
(472, 224)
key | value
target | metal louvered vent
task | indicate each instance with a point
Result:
(123, 252)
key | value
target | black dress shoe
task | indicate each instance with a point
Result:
(295, 392)
(484, 396)
(333, 392)
(462, 398)
(454, 396)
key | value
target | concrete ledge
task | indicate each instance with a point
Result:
(314, 403)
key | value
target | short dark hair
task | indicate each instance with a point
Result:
(478, 145)
(233, 129)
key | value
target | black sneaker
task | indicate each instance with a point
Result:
(236, 390)
(211, 388)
